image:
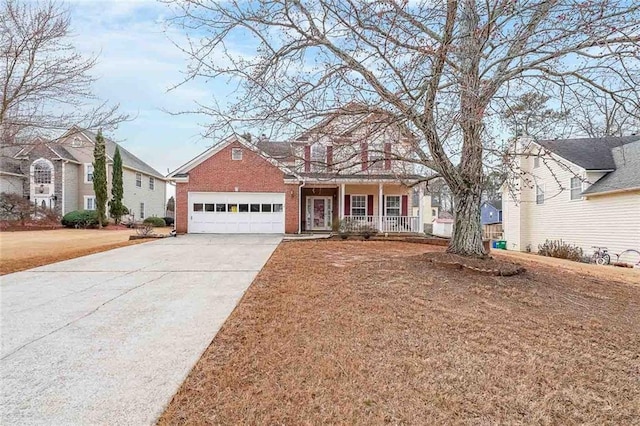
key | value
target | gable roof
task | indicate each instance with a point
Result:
(183, 170)
(626, 174)
(129, 160)
(588, 153)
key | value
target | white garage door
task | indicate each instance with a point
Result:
(236, 213)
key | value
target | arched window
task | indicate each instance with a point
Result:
(42, 171)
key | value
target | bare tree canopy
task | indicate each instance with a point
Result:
(442, 68)
(46, 85)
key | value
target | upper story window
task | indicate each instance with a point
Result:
(236, 154)
(152, 183)
(318, 157)
(139, 180)
(576, 188)
(42, 172)
(539, 194)
(88, 173)
(76, 142)
(376, 157)
(536, 162)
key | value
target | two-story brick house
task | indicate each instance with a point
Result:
(345, 168)
(59, 175)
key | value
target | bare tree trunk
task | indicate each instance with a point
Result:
(467, 229)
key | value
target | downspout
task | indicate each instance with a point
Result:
(304, 182)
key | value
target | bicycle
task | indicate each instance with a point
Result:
(630, 256)
(601, 256)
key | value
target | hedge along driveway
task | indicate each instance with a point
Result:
(108, 338)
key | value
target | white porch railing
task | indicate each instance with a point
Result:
(389, 223)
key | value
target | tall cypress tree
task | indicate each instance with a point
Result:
(100, 178)
(116, 209)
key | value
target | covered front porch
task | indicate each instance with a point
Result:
(376, 207)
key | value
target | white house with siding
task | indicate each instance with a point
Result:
(583, 191)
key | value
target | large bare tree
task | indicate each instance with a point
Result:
(442, 68)
(45, 83)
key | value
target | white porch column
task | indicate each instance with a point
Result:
(380, 206)
(420, 207)
(341, 201)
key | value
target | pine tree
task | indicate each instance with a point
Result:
(100, 178)
(116, 209)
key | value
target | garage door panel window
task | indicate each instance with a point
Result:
(237, 213)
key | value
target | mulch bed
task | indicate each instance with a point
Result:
(487, 265)
(370, 333)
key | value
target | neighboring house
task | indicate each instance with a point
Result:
(305, 185)
(58, 175)
(583, 191)
(491, 219)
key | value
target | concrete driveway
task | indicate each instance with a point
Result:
(108, 338)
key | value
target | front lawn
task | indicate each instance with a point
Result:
(368, 333)
(27, 249)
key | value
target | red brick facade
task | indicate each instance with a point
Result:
(253, 173)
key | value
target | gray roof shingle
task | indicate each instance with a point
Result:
(589, 153)
(128, 159)
(627, 170)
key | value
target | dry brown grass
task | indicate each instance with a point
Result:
(367, 333)
(29, 249)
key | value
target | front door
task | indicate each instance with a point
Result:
(319, 213)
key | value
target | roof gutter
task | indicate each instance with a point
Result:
(613, 191)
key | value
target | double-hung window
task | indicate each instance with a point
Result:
(152, 183)
(576, 188)
(536, 162)
(539, 194)
(318, 157)
(88, 173)
(141, 210)
(392, 205)
(139, 180)
(358, 205)
(89, 202)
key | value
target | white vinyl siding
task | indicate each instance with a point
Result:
(605, 220)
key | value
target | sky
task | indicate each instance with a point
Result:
(137, 64)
